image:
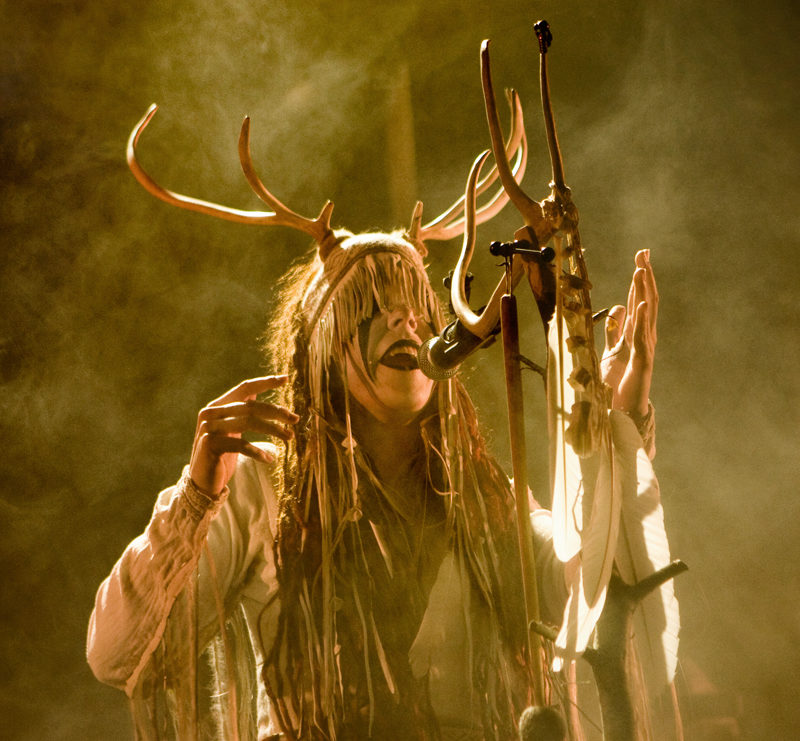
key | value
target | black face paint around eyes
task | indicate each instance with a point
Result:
(363, 338)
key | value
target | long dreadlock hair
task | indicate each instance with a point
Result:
(346, 546)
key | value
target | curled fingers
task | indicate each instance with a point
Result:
(219, 445)
(250, 388)
(247, 423)
(248, 416)
(252, 409)
(220, 427)
(247, 390)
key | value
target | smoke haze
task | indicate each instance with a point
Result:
(121, 317)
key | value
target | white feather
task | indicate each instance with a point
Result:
(587, 590)
(566, 469)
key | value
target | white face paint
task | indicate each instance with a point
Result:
(382, 370)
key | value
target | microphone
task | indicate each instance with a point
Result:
(440, 356)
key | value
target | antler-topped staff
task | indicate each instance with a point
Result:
(579, 392)
(586, 513)
(574, 384)
(540, 226)
(542, 221)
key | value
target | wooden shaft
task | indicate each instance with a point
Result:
(516, 421)
(556, 162)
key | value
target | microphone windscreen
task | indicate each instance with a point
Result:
(426, 365)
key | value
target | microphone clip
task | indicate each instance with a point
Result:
(524, 248)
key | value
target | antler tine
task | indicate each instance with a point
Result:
(530, 209)
(319, 228)
(451, 223)
(487, 211)
(458, 293)
(481, 325)
(515, 135)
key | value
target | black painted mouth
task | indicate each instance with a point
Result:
(401, 355)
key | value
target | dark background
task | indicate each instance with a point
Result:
(122, 316)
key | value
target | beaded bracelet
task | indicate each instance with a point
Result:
(198, 501)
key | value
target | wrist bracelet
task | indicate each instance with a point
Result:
(198, 501)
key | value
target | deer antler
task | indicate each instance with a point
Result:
(481, 325)
(318, 228)
(452, 222)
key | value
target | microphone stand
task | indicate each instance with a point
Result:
(516, 426)
(509, 324)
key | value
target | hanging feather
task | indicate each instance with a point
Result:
(566, 471)
(586, 492)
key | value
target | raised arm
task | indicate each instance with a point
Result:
(229, 527)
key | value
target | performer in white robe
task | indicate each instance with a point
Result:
(358, 579)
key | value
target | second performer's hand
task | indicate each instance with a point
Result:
(218, 438)
(627, 363)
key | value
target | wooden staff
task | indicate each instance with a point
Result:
(516, 424)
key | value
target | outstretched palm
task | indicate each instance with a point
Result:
(627, 362)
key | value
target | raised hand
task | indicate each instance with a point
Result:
(627, 363)
(218, 437)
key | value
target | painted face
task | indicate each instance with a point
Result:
(382, 370)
